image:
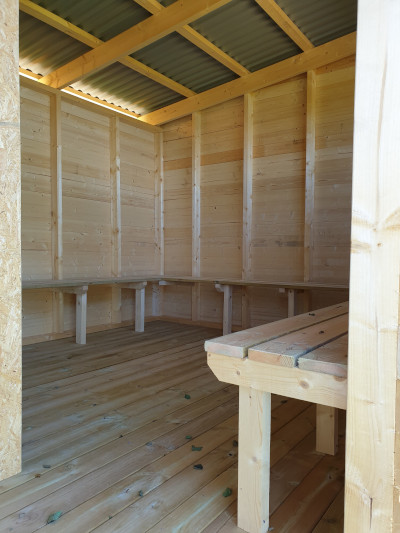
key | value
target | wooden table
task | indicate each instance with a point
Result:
(303, 357)
(79, 287)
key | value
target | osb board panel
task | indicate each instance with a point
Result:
(35, 185)
(138, 250)
(279, 182)
(333, 174)
(10, 227)
(178, 197)
(86, 193)
(221, 189)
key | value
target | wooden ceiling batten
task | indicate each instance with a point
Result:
(285, 23)
(42, 14)
(288, 68)
(139, 36)
(196, 38)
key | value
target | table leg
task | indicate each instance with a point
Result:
(254, 459)
(81, 312)
(139, 309)
(327, 429)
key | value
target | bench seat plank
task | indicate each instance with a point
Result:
(286, 350)
(237, 344)
(328, 359)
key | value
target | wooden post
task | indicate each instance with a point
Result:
(196, 212)
(254, 459)
(139, 309)
(56, 208)
(291, 302)
(327, 429)
(10, 254)
(227, 312)
(372, 451)
(157, 292)
(115, 177)
(310, 176)
(248, 137)
(80, 311)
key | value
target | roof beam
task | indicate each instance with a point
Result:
(285, 23)
(153, 6)
(298, 64)
(146, 32)
(38, 12)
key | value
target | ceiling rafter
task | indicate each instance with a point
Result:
(288, 68)
(146, 32)
(196, 38)
(285, 23)
(42, 14)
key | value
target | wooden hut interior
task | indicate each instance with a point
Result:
(191, 193)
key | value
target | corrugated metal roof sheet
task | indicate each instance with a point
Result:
(244, 31)
(322, 20)
(102, 18)
(124, 87)
(43, 49)
(241, 29)
(180, 60)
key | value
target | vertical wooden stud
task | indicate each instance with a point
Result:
(10, 251)
(372, 459)
(248, 142)
(254, 459)
(310, 176)
(157, 291)
(196, 212)
(115, 177)
(327, 429)
(56, 207)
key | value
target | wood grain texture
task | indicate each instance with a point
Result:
(10, 228)
(372, 457)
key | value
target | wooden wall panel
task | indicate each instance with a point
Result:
(333, 175)
(278, 182)
(221, 190)
(137, 201)
(178, 197)
(36, 209)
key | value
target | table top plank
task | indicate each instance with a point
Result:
(286, 350)
(328, 359)
(237, 344)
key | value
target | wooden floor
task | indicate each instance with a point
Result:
(112, 432)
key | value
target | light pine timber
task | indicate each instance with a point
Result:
(289, 68)
(56, 208)
(115, 177)
(10, 229)
(248, 142)
(372, 459)
(131, 40)
(237, 344)
(310, 175)
(153, 6)
(285, 23)
(196, 212)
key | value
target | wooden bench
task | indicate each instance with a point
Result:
(303, 357)
(79, 287)
(225, 286)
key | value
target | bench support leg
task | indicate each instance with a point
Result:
(254, 459)
(227, 313)
(327, 429)
(291, 302)
(139, 309)
(81, 312)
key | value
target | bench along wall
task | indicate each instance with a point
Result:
(264, 181)
(104, 223)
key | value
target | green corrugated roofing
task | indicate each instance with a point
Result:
(240, 28)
